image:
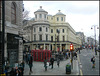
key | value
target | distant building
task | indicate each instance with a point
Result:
(81, 34)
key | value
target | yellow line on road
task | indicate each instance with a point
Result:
(81, 73)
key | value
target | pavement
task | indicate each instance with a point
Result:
(38, 68)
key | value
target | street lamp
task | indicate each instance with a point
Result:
(3, 35)
(58, 31)
(95, 37)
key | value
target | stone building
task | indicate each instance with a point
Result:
(81, 34)
(51, 32)
(13, 24)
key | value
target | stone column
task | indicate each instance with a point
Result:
(44, 46)
(49, 47)
(60, 47)
(20, 50)
(37, 46)
(5, 51)
(52, 47)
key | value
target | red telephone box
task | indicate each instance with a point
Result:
(39, 55)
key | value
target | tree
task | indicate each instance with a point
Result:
(26, 14)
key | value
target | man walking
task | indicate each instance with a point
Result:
(45, 64)
(52, 61)
(93, 61)
(30, 62)
(58, 61)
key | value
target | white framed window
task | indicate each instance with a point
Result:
(40, 28)
(40, 15)
(46, 29)
(61, 18)
(57, 18)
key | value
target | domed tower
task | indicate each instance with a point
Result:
(60, 17)
(40, 15)
(41, 34)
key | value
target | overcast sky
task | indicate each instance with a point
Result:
(81, 15)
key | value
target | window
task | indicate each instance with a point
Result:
(13, 13)
(63, 38)
(35, 16)
(35, 37)
(61, 18)
(46, 37)
(40, 29)
(44, 16)
(40, 15)
(47, 17)
(51, 18)
(57, 38)
(40, 36)
(57, 30)
(34, 29)
(46, 29)
(57, 19)
(51, 38)
(51, 30)
(63, 30)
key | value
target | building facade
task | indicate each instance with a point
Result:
(13, 52)
(51, 32)
(81, 34)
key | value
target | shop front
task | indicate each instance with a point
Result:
(12, 49)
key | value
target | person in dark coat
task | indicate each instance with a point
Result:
(93, 61)
(58, 61)
(30, 63)
(12, 72)
(45, 64)
(52, 61)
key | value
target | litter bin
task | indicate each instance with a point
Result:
(68, 69)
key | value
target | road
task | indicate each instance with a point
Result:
(86, 64)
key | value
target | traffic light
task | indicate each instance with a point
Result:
(71, 47)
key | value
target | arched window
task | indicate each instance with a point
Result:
(46, 29)
(40, 29)
(13, 13)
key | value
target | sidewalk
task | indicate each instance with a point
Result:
(38, 68)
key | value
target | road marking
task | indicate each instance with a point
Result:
(81, 73)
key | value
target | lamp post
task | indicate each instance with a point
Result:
(95, 37)
(58, 31)
(3, 33)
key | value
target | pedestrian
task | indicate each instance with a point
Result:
(52, 61)
(79, 50)
(69, 53)
(17, 73)
(26, 58)
(45, 64)
(30, 62)
(23, 65)
(76, 55)
(12, 72)
(66, 55)
(93, 61)
(58, 61)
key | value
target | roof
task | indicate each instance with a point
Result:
(49, 15)
(60, 13)
(40, 10)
